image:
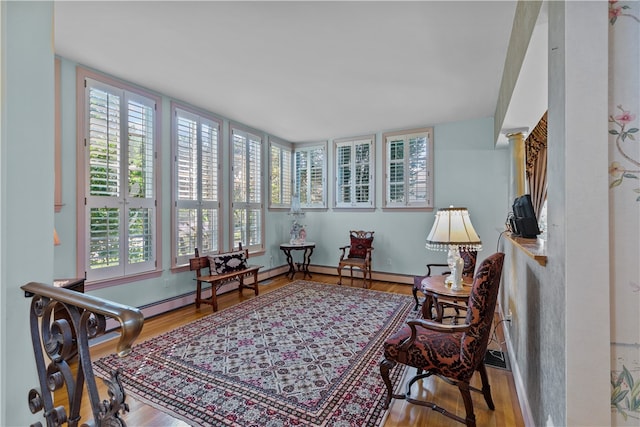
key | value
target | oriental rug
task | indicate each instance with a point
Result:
(304, 354)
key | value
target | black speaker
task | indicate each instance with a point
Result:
(526, 227)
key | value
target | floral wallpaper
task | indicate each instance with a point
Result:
(624, 208)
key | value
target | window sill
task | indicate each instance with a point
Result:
(534, 248)
(107, 283)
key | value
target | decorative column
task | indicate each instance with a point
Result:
(516, 146)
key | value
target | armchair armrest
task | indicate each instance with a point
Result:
(343, 249)
(368, 255)
(437, 265)
(433, 326)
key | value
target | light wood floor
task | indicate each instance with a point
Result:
(401, 413)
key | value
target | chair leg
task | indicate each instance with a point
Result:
(351, 272)
(468, 404)
(415, 297)
(386, 366)
(339, 275)
(486, 389)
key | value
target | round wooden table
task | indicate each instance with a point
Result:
(437, 293)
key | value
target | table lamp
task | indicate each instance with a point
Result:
(452, 231)
(297, 234)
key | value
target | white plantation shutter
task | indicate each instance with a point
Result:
(280, 174)
(409, 169)
(395, 172)
(120, 192)
(419, 174)
(310, 175)
(248, 209)
(196, 142)
(354, 173)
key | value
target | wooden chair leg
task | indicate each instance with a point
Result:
(468, 404)
(486, 389)
(214, 298)
(255, 283)
(385, 368)
(198, 293)
(339, 275)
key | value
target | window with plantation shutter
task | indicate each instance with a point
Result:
(310, 166)
(247, 206)
(354, 172)
(280, 154)
(409, 169)
(196, 207)
(120, 172)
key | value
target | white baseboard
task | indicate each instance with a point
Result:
(517, 376)
(375, 275)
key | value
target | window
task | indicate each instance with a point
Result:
(248, 212)
(409, 169)
(310, 175)
(280, 173)
(196, 207)
(354, 172)
(119, 226)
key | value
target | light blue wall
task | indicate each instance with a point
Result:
(26, 199)
(468, 172)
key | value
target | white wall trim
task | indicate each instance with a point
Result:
(523, 400)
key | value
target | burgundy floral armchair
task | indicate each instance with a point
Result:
(453, 352)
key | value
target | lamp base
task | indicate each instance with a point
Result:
(456, 264)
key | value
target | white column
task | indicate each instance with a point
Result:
(516, 149)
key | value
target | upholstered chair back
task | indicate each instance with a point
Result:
(361, 242)
(469, 258)
(480, 311)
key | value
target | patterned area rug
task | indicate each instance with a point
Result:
(303, 354)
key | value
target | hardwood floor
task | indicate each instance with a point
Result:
(401, 413)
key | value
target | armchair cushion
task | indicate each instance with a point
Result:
(359, 247)
(431, 346)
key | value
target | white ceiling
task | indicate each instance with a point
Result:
(302, 71)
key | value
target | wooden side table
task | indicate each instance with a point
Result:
(437, 292)
(308, 248)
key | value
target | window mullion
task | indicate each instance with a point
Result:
(405, 163)
(199, 185)
(124, 181)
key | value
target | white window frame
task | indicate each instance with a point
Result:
(417, 192)
(280, 174)
(201, 228)
(126, 201)
(250, 232)
(312, 196)
(349, 169)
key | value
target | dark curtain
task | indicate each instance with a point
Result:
(536, 169)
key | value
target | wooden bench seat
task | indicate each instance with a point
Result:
(202, 263)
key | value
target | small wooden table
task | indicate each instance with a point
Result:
(437, 292)
(303, 266)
